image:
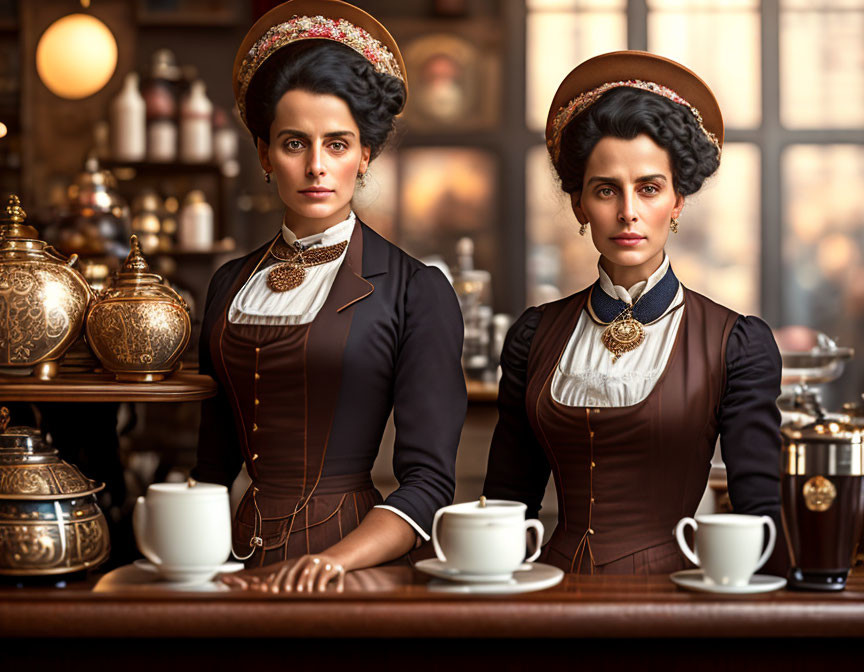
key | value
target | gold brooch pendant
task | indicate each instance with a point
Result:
(623, 335)
(292, 272)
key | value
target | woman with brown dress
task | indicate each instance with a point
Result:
(317, 335)
(621, 390)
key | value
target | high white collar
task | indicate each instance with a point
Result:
(630, 295)
(330, 236)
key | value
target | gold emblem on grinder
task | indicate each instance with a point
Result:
(819, 494)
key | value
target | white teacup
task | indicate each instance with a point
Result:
(184, 529)
(728, 546)
(490, 539)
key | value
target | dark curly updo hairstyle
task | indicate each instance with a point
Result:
(325, 67)
(626, 113)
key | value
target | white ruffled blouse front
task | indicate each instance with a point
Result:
(586, 375)
(256, 303)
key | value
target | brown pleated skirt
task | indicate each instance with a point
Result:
(267, 524)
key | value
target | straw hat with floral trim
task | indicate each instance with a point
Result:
(298, 20)
(587, 83)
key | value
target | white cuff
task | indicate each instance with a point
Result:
(407, 519)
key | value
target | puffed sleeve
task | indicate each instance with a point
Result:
(429, 400)
(518, 468)
(219, 457)
(749, 423)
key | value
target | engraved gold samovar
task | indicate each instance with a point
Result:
(138, 326)
(43, 300)
(50, 522)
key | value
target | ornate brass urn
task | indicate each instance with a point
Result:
(138, 326)
(50, 522)
(43, 300)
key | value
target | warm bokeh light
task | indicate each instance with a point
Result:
(376, 201)
(821, 78)
(561, 34)
(837, 254)
(683, 29)
(822, 244)
(3, 130)
(76, 56)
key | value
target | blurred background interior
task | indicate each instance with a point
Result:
(117, 117)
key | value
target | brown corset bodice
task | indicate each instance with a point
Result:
(625, 476)
(282, 383)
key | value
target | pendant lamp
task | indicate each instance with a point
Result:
(76, 56)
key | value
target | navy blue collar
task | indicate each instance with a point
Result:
(648, 307)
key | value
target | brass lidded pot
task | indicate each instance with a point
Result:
(138, 326)
(50, 522)
(97, 221)
(823, 501)
(43, 300)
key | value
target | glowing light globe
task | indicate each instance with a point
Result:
(76, 56)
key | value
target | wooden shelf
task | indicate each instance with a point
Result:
(224, 246)
(481, 392)
(101, 387)
(163, 167)
(189, 19)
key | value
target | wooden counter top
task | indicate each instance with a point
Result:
(395, 603)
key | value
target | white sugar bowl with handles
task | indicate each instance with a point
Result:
(484, 537)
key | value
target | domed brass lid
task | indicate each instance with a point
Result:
(95, 191)
(12, 224)
(134, 280)
(31, 470)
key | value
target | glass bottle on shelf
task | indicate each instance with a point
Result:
(160, 95)
(196, 125)
(225, 143)
(170, 213)
(128, 122)
(195, 231)
(145, 220)
(473, 288)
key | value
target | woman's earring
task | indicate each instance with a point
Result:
(674, 225)
(583, 228)
(267, 177)
(361, 178)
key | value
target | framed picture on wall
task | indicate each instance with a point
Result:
(447, 193)
(454, 75)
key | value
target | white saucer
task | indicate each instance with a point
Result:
(693, 579)
(440, 570)
(187, 574)
(529, 577)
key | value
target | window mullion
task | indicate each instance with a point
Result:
(637, 24)
(771, 284)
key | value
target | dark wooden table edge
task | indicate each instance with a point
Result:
(453, 618)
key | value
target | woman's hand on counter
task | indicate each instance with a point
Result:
(309, 573)
(382, 536)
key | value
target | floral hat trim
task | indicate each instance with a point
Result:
(585, 100)
(314, 27)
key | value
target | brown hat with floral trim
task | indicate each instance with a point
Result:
(588, 81)
(298, 20)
